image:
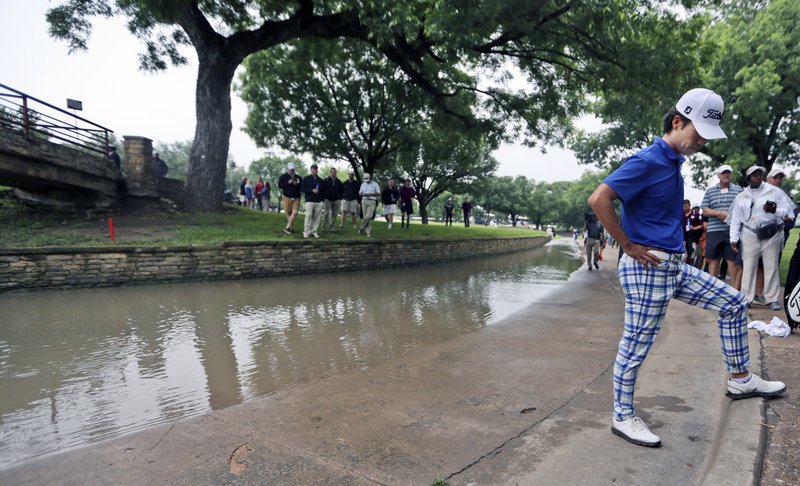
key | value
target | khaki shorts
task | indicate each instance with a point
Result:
(350, 206)
(291, 205)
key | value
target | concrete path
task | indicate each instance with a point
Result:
(527, 401)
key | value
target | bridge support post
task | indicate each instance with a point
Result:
(139, 167)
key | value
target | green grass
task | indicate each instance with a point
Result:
(239, 224)
(24, 227)
(788, 250)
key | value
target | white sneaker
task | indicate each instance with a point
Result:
(634, 430)
(756, 387)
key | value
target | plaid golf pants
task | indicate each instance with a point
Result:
(647, 294)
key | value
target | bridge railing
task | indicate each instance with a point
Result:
(39, 120)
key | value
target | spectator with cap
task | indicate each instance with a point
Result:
(369, 192)
(314, 189)
(289, 184)
(350, 204)
(595, 239)
(776, 177)
(407, 195)
(449, 207)
(716, 206)
(333, 201)
(757, 218)
(389, 197)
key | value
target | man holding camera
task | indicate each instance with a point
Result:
(757, 217)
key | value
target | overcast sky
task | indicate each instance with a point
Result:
(160, 106)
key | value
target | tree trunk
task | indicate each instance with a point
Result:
(205, 180)
(423, 212)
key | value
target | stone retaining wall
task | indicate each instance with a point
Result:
(101, 267)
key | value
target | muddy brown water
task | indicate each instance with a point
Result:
(81, 366)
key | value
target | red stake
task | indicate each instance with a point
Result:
(111, 229)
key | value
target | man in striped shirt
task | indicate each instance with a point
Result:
(716, 206)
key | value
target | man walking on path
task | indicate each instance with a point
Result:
(757, 219)
(289, 183)
(333, 200)
(369, 192)
(351, 204)
(652, 270)
(389, 197)
(314, 189)
(595, 236)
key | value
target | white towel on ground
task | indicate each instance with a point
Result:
(776, 327)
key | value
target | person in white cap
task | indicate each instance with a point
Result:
(369, 192)
(775, 178)
(289, 183)
(716, 204)
(652, 271)
(757, 219)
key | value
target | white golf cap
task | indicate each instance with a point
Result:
(704, 108)
(366, 176)
(723, 168)
(754, 168)
(290, 165)
(775, 171)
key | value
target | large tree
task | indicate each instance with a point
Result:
(505, 196)
(561, 48)
(333, 100)
(753, 61)
(749, 52)
(440, 158)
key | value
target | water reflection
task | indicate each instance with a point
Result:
(85, 365)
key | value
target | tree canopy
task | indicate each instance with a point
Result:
(561, 50)
(753, 61)
(334, 100)
(748, 51)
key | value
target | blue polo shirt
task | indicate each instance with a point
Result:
(650, 186)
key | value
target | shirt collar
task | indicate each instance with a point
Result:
(668, 150)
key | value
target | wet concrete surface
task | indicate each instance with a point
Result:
(526, 401)
(93, 364)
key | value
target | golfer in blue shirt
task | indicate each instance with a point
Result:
(652, 270)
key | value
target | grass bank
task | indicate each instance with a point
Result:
(788, 250)
(162, 225)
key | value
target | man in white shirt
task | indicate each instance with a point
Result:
(757, 217)
(369, 192)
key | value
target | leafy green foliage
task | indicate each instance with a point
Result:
(351, 105)
(449, 49)
(27, 227)
(176, 155)
(753, 61)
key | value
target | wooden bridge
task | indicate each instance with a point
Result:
(56, 158)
